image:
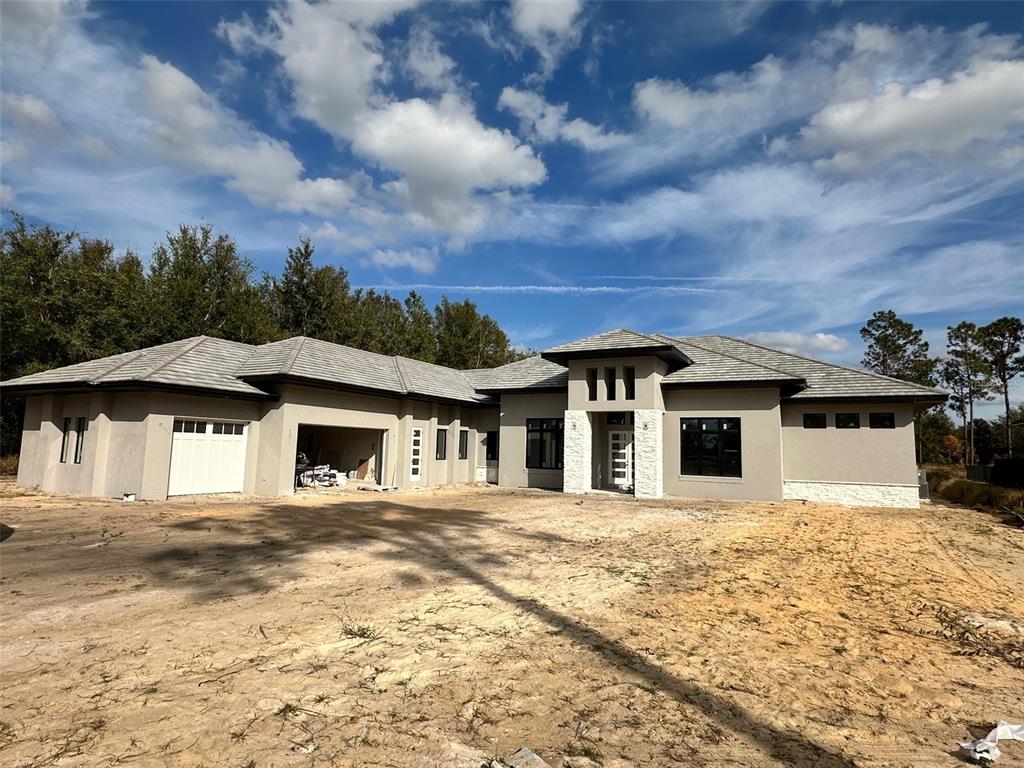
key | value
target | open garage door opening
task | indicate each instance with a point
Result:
(349, 455)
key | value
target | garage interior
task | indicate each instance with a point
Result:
(353, 453)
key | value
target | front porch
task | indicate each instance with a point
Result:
(618, 451)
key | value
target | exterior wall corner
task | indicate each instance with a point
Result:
(648, 447)
(578, 444)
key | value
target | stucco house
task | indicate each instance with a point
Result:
(644, 414)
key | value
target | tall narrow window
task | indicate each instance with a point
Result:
(710, 447)
(81, 424)
(64, 440)
(463, 443)
(417, 452)
(442, 445)
(609, 383)
(591, 384)
(492, 446)
(629, 382)
(544, 439)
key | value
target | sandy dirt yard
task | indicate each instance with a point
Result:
(442, 627)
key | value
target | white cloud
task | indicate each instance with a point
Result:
(30, 114)
(549, 26)
(424, 260)
(800, 343)
(937, 116)
(7, 196)
(428, 65)
(444, 157)
(192, 127)
(547, 122)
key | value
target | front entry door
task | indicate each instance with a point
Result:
(620, 458)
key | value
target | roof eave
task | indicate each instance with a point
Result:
(355, 388)
(88, 387)
(666, 352)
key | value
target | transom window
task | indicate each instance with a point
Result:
(882, 420)
(815, 421)
(847, 421)
(544, 443)
(710, 447)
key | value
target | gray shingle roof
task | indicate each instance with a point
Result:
(824, 380)
(437, 381)
(620, 338)
(710, 367)
(530, 373)
(200, 362)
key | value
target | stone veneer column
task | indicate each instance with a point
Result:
(648, 461)
(578, 444)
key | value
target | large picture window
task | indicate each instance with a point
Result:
(544, 443)
(711, 447)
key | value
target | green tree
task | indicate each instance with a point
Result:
(968, 376)
(467, 339)
(1001, 342)
(307, 300)
(420, 337)
(896, 348)
(199, 285)
(933, 426)
(984, 441)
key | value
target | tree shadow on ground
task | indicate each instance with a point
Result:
(449, 542)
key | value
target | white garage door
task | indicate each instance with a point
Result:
(207, 457)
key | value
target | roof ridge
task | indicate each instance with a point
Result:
(188, 348)
(129, 358)
(295, 355)
(401, 376)
(734, 357)
(833, 365)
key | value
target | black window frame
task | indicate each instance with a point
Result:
(610, 375)
(441, 447)
(592, 384)
(889, 421)
(854, 420)
(66, 427)
(81, 425)
(492, 445)
(463, 444)
(629, 382)
(541, 427)
(823, 424)
(727, 461)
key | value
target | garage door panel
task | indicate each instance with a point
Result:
(207, 457)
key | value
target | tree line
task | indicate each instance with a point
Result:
(69, 298)
(979, 365)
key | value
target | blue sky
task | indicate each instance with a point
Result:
(777, 171)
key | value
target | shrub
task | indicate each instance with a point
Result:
(9, 464)
(946, 484)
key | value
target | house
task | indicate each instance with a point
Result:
(643, 414)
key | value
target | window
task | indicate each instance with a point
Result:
(417, 451)
(492, 446)
(609, 383)
(629, 382)
(64, 440)
(847, 421)
(442, 445)
(616, 418)
(463, 443)
(200, 428)
(544, 443)
(710, 447)
(591, 384)
(81, 424)
(815, 421)
(882, 420)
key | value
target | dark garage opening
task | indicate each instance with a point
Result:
(357, 455)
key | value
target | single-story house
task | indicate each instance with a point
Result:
(643, 414)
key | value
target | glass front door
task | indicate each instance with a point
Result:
(620, 458)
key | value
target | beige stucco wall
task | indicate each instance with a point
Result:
(515, 410)
(849, 455)
(649, 373)
(760, 442)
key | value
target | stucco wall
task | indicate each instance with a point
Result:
(649, 373)
(760, 442)
(515, 410)
(849, 455)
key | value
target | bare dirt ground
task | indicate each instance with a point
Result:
(434, 628)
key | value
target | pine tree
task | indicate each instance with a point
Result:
(1001, 342)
